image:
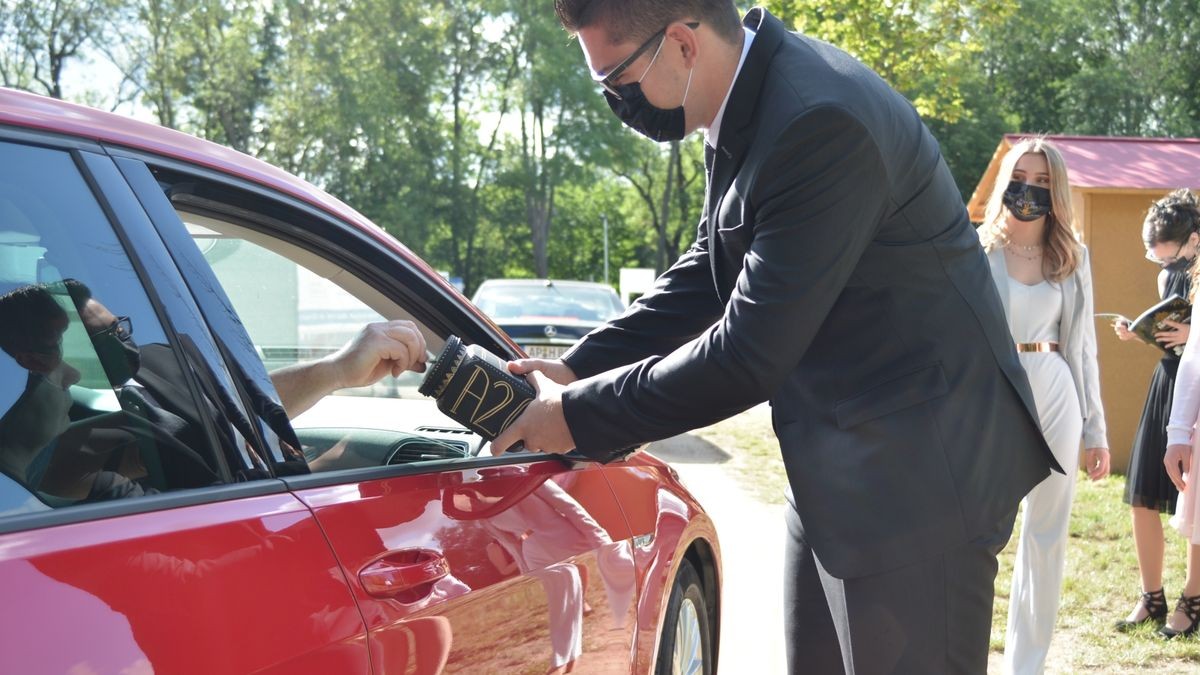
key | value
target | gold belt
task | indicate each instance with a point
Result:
(1037, 347)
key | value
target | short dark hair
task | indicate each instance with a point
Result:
(1172, 218)
(27, 315)
(637, 20)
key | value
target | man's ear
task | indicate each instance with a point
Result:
(685, 40)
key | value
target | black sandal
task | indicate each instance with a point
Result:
(1190, 606)
(1155, 603)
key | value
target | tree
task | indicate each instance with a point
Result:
(42, 36)
(918, 46)
(669, 183)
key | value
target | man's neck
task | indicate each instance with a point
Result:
(720, 78)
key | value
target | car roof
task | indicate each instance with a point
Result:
(545, 282)
(32, 111)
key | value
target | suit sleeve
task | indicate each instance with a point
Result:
(815, 205)
(681, 305)
(1095, 432)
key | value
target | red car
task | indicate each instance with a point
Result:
(160, 512)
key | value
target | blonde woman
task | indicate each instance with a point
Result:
(1041, 271)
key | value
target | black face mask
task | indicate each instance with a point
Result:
(1026, 202)
(657, 124)
(121, 358)
(645, 118)
(1180, 264)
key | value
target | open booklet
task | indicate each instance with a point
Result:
(1154, 320)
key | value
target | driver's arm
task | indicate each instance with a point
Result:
(379, 349)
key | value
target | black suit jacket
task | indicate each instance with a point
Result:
(835, 273)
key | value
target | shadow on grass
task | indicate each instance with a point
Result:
(688, 449)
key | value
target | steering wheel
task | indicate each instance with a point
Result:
(187, 468)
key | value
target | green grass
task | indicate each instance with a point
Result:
(1101, 580)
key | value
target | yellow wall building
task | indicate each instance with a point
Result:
(1113, 183)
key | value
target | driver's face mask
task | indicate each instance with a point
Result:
(119, 355)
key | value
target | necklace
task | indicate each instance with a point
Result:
(1010, 248)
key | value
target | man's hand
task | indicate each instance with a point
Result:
(1176, 337)
(1096, 462)
(378, 350)
(555, 370)
(1178, 461)
(542, 427)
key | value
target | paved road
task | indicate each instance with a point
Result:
(752, 537)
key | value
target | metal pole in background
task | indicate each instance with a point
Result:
(604, 217)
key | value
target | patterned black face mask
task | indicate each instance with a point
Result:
(1026, 202)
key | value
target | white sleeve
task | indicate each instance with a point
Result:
(1186, 403)
(1095, 431)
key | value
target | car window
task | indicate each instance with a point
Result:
(299, 306)
(93, 400)
(548, 301)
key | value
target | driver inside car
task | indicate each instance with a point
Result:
(148, 384)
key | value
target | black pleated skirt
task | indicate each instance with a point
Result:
(1146, 481)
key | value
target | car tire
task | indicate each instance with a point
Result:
(685, 647)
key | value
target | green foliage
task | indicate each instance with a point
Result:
(38, 38)
(920, 47)
(471, 130)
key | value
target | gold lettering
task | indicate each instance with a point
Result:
(508, 396)
(475, 374)
(513, 415)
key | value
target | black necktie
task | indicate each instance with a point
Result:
(709, 156)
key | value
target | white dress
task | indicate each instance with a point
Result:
(1180, 431)
(1035, 313)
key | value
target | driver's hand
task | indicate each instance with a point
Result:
(380, 349)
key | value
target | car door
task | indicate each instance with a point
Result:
(459, 561)
(141, 529)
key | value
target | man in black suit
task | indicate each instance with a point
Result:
(835, 274)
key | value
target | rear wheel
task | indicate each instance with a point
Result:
(686, 644)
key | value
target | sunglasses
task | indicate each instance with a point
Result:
(121, 328)
(609, 80)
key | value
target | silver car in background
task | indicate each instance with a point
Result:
(544, 316)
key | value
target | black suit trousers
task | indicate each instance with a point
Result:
(930, 617)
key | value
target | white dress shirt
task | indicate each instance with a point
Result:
(711, 133)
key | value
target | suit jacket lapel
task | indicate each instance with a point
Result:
(737, 129)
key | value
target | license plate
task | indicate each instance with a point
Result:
(545, 351)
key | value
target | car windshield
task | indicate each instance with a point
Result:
(529, 301)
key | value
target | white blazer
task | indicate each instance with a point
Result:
(1076, 340)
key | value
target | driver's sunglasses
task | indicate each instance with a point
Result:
(121, 328)
(609, 81)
